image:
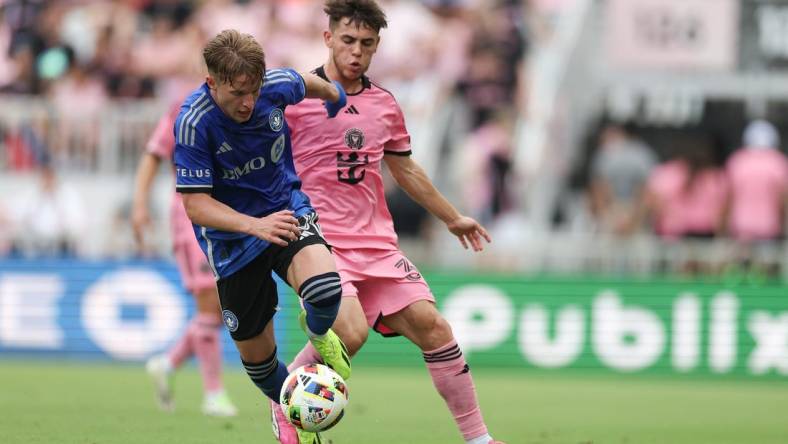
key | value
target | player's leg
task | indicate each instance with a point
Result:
(350, 325)
(424, 326)
(162, 367)
(307, 265)
(313, 273)
(248, 300)
(208, 350)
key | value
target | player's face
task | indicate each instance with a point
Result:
(236, 98)
(352, 47)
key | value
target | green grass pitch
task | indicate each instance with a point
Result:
(112, 404)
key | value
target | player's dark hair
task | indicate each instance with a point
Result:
(231, 54)
(360, 12)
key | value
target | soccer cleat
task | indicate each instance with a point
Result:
(219, 405)
(331, 348)
(308, 437)
(284, 432)
(159, 370)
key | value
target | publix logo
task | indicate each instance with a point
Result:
(682, 333)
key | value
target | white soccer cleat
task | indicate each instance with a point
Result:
(160, 371)
(219, 405)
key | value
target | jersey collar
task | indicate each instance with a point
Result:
(365, 82)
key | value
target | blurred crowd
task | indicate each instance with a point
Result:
(82, 55)
(696, 190)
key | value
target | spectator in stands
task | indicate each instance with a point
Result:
(758, 173)
(48, 218)
(494, 61)
(79, 97)
(687, 195)
(487, 167)
(5, 231)
(620, 169)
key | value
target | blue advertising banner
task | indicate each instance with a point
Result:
(124, 311)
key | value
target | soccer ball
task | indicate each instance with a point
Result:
(313, 398)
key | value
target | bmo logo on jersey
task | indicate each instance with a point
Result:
(258, 163)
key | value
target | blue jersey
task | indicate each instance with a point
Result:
(247, 166)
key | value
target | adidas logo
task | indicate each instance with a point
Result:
(351, 110)
(225, 148)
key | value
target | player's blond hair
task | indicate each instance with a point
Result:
(231, 54)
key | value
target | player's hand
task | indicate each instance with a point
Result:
(277, 228)
(140, 221)
(469, 232)
(333, 107)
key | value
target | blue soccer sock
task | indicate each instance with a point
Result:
(268, 375)
(322, 295)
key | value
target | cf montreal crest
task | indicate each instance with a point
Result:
(354, 138)
(276, 119)
(230, 320)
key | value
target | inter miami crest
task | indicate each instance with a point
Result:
(350, 169)
(354, 138)
(276, 119)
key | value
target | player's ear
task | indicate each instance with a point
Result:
(327, 38)
(210, 81)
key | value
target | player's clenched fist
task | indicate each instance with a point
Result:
(277, 228)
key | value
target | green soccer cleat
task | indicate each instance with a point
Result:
(331, 348)
(308, 437)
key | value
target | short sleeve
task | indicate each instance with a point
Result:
(399, 143)
(162, 141)
(192, 157)
(286, 84)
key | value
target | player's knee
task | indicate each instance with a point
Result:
(355, 338)
(322, 291)
(441, 326)
(433, 330)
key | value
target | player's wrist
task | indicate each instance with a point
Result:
(247, 225)
(333, 107)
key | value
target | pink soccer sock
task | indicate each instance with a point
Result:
(208, 349)
(307, 355)
(452, 378)
(183, 349)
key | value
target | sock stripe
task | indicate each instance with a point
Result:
(316, 280)
(444, 359)
(451, 351)
(261, 370)
(316, 294)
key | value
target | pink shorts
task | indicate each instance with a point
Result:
(384, 281)
(193, 266)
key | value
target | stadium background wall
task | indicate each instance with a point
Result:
(125, 311)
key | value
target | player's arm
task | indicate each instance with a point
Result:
(413, 179)
(140, 216)
(194, 180)
(206, 211)
(331, 93)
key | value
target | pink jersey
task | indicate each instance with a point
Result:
(339, 160)
(162, 145)
(759, 180)
(686, 211)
